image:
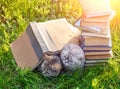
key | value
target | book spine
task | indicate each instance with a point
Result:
(36, 40)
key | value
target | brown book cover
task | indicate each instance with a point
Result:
(96, 41)
(24, 52)
(104, 56)
(95, 8)
(27, 49)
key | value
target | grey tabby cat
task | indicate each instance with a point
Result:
(72, 57)
(51, 65)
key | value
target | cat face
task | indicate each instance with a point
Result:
(51, 65)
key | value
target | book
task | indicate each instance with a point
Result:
(96, 41)
(97, 19)
(86, 33)
(94, 24)
(38, 39)
(58, 29)
(104, 56)
(94, 8)
(86, 28)
(96, 48)
(26, 48)
(92, 29)
(98, 52)
(105, 18)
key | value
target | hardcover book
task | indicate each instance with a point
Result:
(96, 41)
(94, 24)
(40, 38)
(97, 57)
(86, 33)
(105, 18)
(95, 8)
(96, 47)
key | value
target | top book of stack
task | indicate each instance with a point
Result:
(95, 8)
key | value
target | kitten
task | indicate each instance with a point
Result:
(72, 57)
(51, 65)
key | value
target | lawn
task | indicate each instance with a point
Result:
(15, 16)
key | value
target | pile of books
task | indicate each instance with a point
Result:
(40, 38)
(95, 25)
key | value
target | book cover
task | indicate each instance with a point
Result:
(26, 49)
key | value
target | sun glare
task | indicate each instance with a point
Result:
(115, 5)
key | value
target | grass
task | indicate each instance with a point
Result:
(15, 16)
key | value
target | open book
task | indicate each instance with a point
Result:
(40, 38)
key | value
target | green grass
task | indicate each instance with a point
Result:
(15, 16)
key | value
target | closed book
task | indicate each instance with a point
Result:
(96, 41)
(86, 33)
(105, 18)
(94, 24)
(97, 19)
(95, 8)
(96, 47)
(97, 52)
(26, 49)
(92, 29)
(104, 56)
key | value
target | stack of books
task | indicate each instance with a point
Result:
(95, 25)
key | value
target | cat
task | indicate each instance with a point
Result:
(72, 56)
(51, 65)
